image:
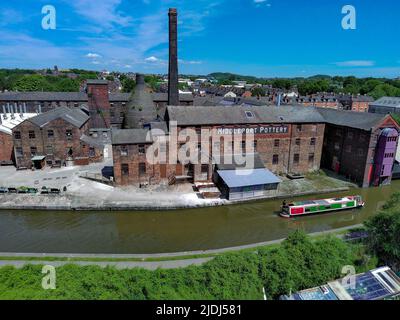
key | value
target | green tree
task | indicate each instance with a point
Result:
(32, 83)
(384, 233)
(128, 85)
(258, 92)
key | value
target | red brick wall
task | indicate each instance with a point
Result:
(360, 106)
(6, 147)
(59, 143)
(99, 105)
(286, 152)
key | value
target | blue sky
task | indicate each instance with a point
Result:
(271, 38)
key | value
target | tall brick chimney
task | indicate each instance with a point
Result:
(98, 103)
(173, 92)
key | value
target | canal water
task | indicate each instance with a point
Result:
(171, 231)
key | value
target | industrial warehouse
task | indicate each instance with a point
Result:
(287, 140)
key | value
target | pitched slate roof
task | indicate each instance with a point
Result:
(129, 136)
(96, 81)
(183, 97)
(352, 119)
(57, 96)
(196, 116)
(392, 102)
(76, 117)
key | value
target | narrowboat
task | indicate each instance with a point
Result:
(308, 207)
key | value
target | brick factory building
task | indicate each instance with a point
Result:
(54, 138)
(7, 122)
(360, 146)
(287, 140)
(39, 102)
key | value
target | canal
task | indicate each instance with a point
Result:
(170, 231)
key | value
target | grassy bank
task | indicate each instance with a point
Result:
(298, 263)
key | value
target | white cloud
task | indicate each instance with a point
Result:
(356, 63)
(260, 3)
(189, 61)
(93, 55)
(152, 59)
(103, 13)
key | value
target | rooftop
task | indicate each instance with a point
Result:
(392, 102)
(130, 136)
(8, 120)
(352, 119)
(219, 115)
(76, 117)
(192, 116)
(248, 177)
(56, 96)
(377, 284)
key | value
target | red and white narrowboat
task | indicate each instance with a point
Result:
(307, 207)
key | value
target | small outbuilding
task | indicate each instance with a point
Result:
(236, 182)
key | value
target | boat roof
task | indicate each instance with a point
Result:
(321, 202)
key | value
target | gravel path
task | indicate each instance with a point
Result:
(149, 265)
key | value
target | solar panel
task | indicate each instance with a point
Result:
(367, 287)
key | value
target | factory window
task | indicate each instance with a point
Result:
(350, 135)
(298, 141)
(204, 168)
(314, 128)
(243, 146)
(68, 133)
(50, 134)
(311, 157)
(275, 159)
(18, 152)
(142, 168)
(142, 149)
(313, 141)
(125, 169)
(298, 128)
(32, 135)
(276, 143)
(49, 150)
(296, 158)
(124, 151)
(17, 135)
(249, 114)
(33, 151)
(92, 152)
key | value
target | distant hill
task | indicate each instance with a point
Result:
(221, 76)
